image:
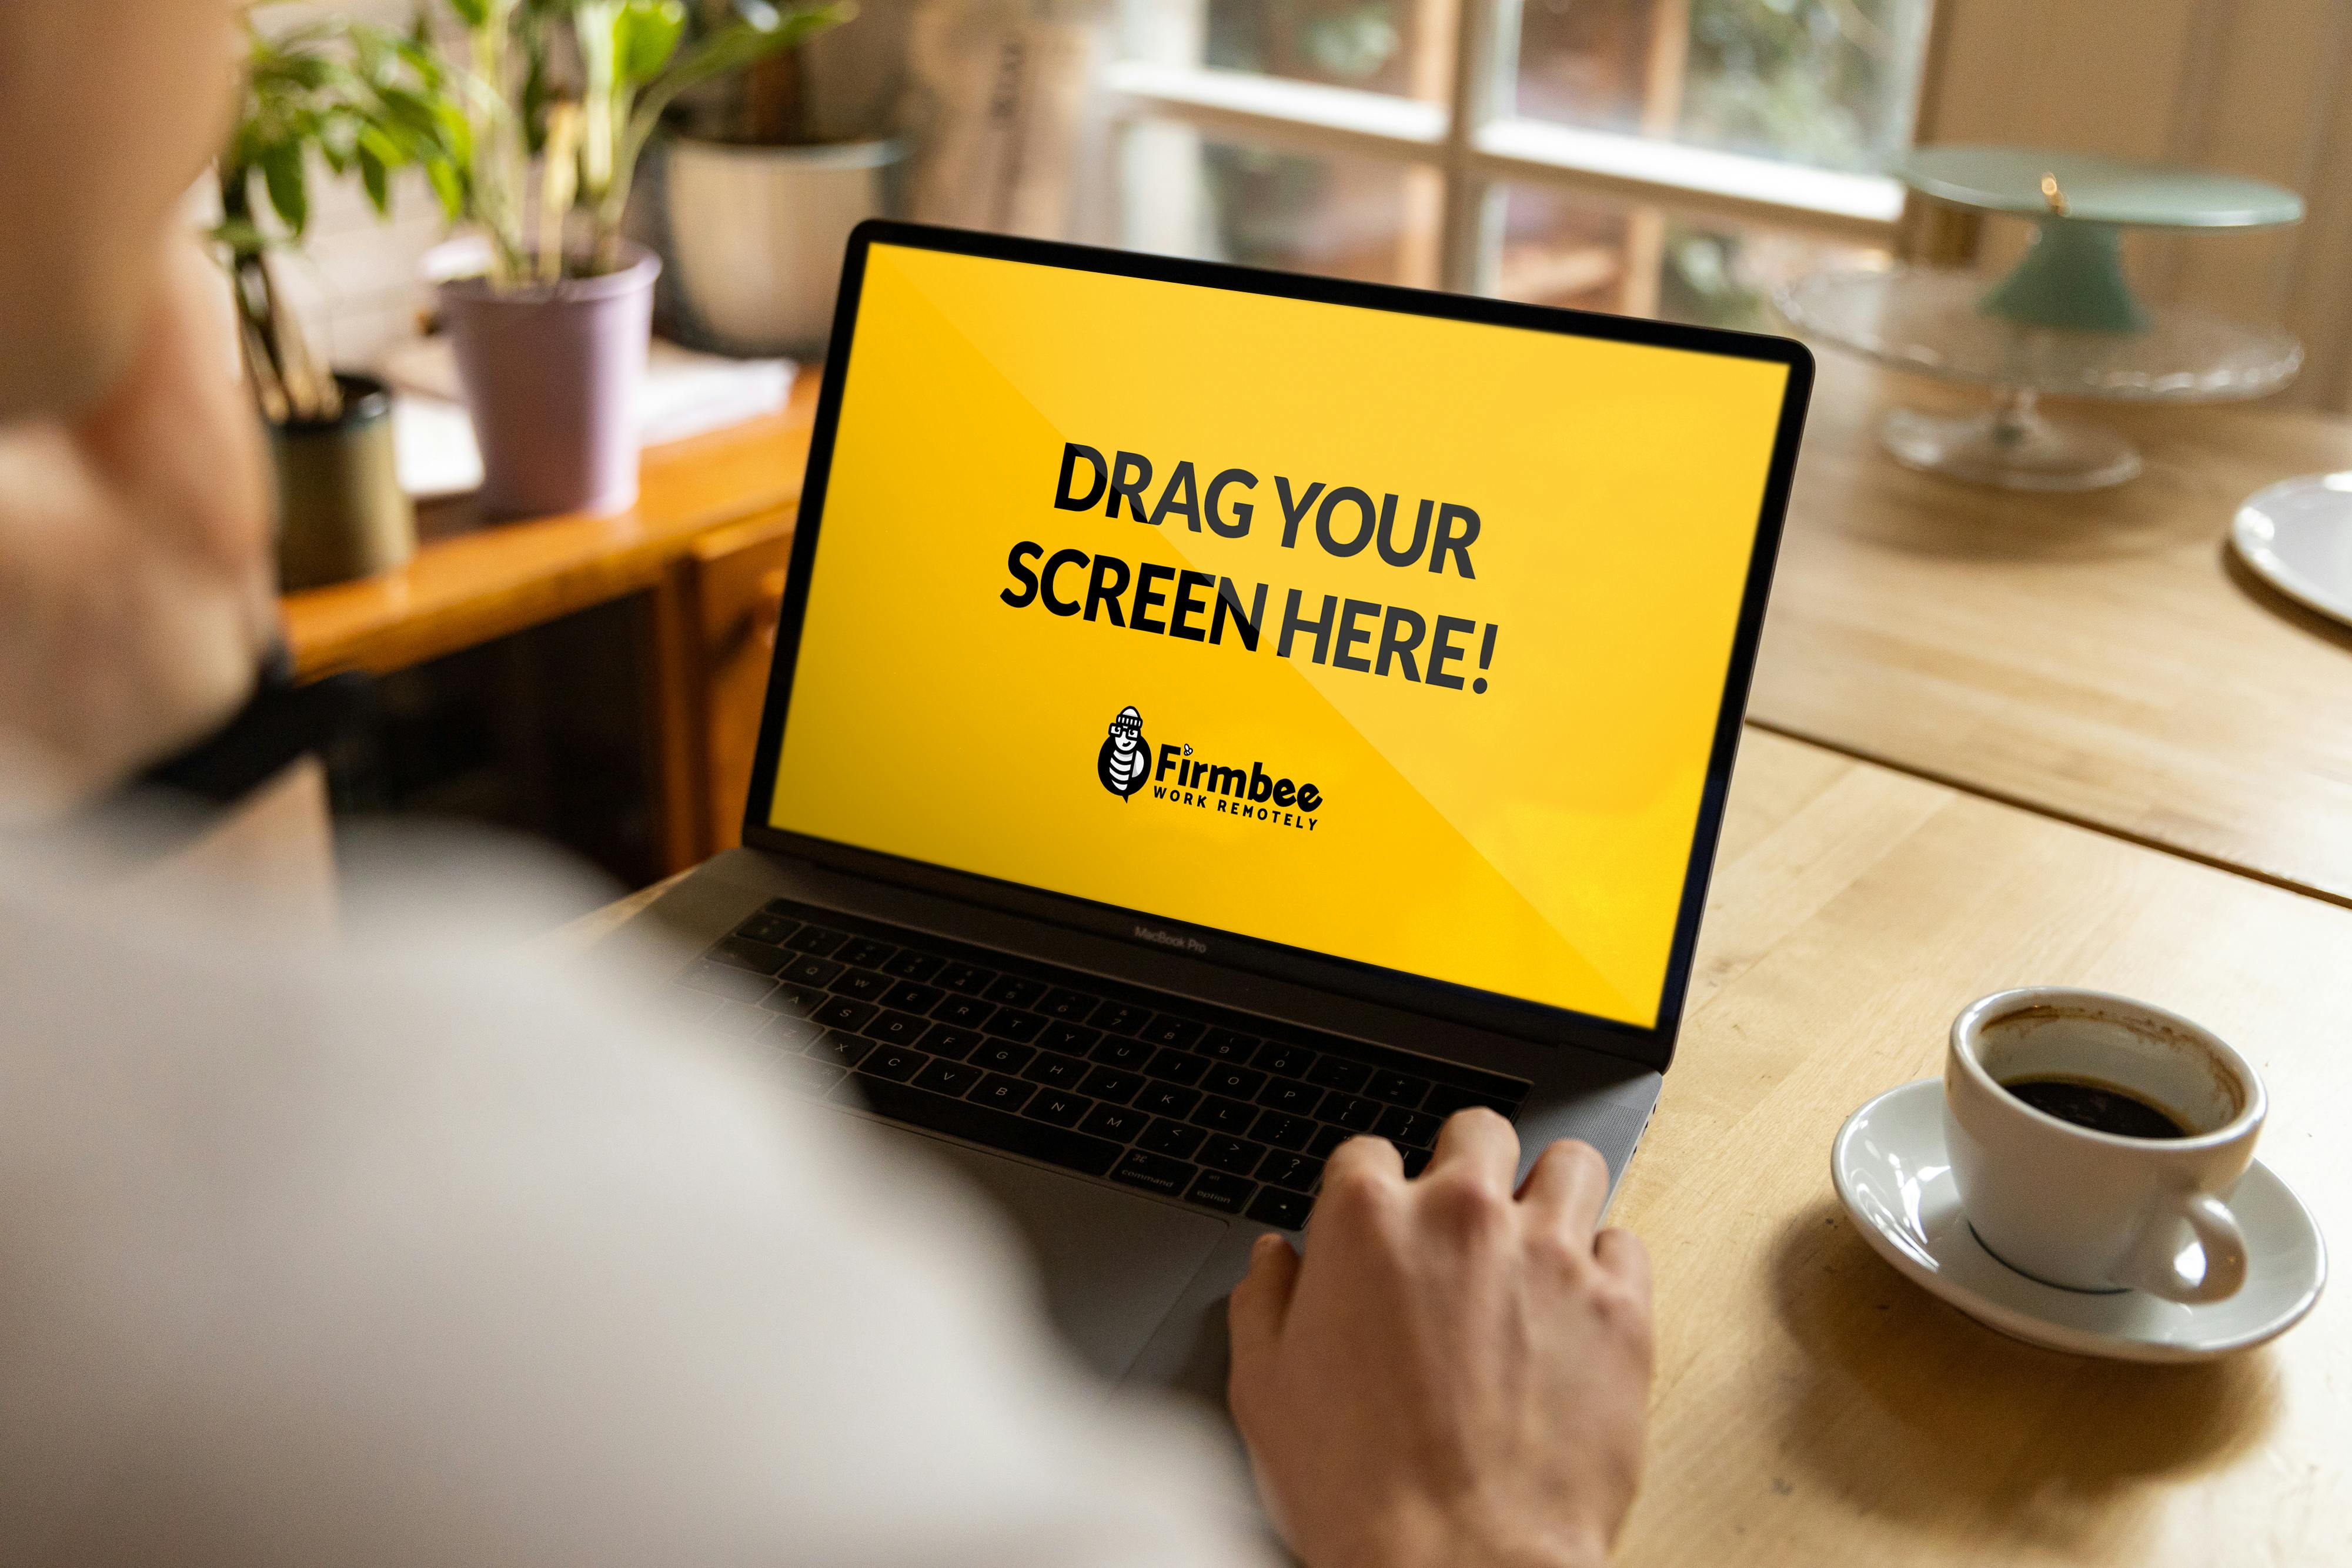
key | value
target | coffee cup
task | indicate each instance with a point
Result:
(2091, 1137)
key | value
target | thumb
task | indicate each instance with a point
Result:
(1254, 1313)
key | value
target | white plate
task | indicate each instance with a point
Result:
(1891, 1174)
(2298, 536)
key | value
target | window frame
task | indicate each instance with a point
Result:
(1475, 147)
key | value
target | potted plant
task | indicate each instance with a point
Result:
(550, 338)
(350, 95)
(757, 197)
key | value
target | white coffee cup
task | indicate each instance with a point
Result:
(2092, 1210)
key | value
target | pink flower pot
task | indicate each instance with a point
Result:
(552, 376)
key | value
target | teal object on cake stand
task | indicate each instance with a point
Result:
(2064, 323)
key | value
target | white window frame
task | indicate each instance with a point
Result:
(1475, 145)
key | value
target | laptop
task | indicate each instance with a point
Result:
(1217, 713)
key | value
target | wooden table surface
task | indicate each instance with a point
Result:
(2101, 657)
(473, 580)
(1815, 1408)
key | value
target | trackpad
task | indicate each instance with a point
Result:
(1112, 1265)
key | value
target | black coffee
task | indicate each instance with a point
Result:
(2101, 1107)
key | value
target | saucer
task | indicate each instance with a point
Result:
(2298, 536)
(1891, 1176)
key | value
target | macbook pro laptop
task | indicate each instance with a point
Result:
(1216, 712)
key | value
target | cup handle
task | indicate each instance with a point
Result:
(2153, 1268)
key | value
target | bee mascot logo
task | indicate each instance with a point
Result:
(1126, 757)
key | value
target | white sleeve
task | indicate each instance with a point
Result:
(438, 1257)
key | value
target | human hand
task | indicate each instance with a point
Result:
(136, 594)
(1455, 1374)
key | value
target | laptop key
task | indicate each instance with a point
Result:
(898, 1029)
(726, 980)
(1167, 1028)
(987, 1126)
(843, 1050)
(816, 939)
(865, 985)
(1064, 1003)
(757, 957)
(1117, 1051)
(1120, 1018)
(1156, 1173)
(1233, 1082)
(1061, 1108)
(789, 998)
(1056, 1071)
(1109, 1084)
(1228, 1045)
(910, 965)
(1416, 1161)
(1014, 991)
(1284, 1060)
(965, 1013)
(1338, 1073)
(1179, 1067)
(804, 970)
(1167, 1100)
(1409, 1129)
(892, 1061)
(945, 1040)
(1001, 1056)
(911, 998)
(948, 1077)
(1014, 1024)
(1226, 1115)
(1296, 1172)
(1075, 1039)
(1283, 1211)
(1172, 1138)
(770, 929)
(1444, 1099)
(1398, 1088)
(1115, 1121)
(788, 1033)
(968, 978)
(1283, 1131)
(738, 1019)
(1238, 1156)
(864, 952)
(1290, 1095)
(1327, 1139)
(844, 1012)
(1220, 1191)
(1356, 1115)
(1003, 1094)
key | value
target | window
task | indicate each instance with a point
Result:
(1660, 157)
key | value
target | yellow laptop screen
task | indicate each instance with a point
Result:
(1385, 636)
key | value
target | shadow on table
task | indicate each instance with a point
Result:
(1913, 1412)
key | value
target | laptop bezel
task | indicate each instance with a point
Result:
(1652, 1046)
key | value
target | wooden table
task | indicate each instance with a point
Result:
(1813, 1408)
(2098, 657)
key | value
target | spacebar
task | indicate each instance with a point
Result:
(997, 1129)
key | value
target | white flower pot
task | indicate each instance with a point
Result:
(755, 236)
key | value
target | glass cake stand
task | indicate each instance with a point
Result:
(1934, 323)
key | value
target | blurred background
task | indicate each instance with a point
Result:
(1669, 158)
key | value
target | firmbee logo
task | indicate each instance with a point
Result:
(1126, 757)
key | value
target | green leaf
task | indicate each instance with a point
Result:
(375, 180)
(448, 186)
(282, 172)
(475, 14)
(646, 35)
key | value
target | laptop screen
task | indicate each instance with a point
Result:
(1390, 637)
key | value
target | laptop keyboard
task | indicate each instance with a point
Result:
(1220, 1109)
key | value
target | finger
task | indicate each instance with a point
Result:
(1363, 1158)
(1622, 1253)
(1256, 1310)
(1477, 1142)
(1568, 1186)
